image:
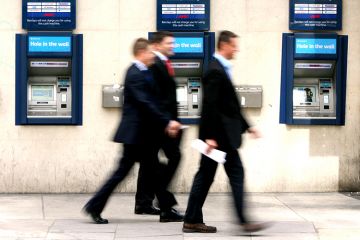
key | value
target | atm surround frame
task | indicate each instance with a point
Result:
(21, 91)
(287, 77)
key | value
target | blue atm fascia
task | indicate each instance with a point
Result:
(287, 76)
(208, 49)
(21, 92)
(206, 55)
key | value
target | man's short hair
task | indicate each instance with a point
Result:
(140, 45)
(224, 37)
(158, 37)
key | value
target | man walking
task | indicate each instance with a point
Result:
(163, 43)
(141, 128)
(221, 126)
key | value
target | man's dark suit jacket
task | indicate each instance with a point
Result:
(166, 87)
(142, 120)
(221, 118)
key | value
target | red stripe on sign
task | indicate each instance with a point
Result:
(183, 16)
(49, 14)
(315, 16)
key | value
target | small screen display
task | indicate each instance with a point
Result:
(42, 92)
(194, 84)
(325, 84)
(304, 95)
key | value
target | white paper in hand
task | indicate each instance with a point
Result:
(216, 155)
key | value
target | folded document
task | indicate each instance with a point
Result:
(216, 155)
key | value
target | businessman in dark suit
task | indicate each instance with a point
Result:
(141, 128)
(221, 126)
(163, 43)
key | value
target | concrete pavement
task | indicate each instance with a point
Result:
(295, 216)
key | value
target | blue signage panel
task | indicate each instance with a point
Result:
(49, 44)
(44, 15)
(315, 15)
(189, 45)
(315, 46)
(183, 15)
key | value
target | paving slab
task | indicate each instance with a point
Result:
(177, 237)
(20, 238)
(148, 229)
(294, 216)
(286, 236)
(279, 213)
(212, 237)
(56, 206)
(339, 234)
(21, 206)
(80, 235)
(24, 228)
(289, 227)
(317, 200)
(81, 226)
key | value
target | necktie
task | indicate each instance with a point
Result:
(170, 68)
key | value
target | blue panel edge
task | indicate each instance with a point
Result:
(282, 115)
(20, 79)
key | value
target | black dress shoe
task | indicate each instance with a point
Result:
(171, 216)
(151, 210)
(96, 217)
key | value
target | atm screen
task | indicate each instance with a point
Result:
(305, 96)
(42, 92)
(181, 94)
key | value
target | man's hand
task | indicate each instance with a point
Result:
(254, 133)
(173, 128)
(211, 145)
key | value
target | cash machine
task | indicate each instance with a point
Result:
(313, 79)
(48, 78)
(193, 51)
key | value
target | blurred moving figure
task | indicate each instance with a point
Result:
(221, 127)
(141, 128)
